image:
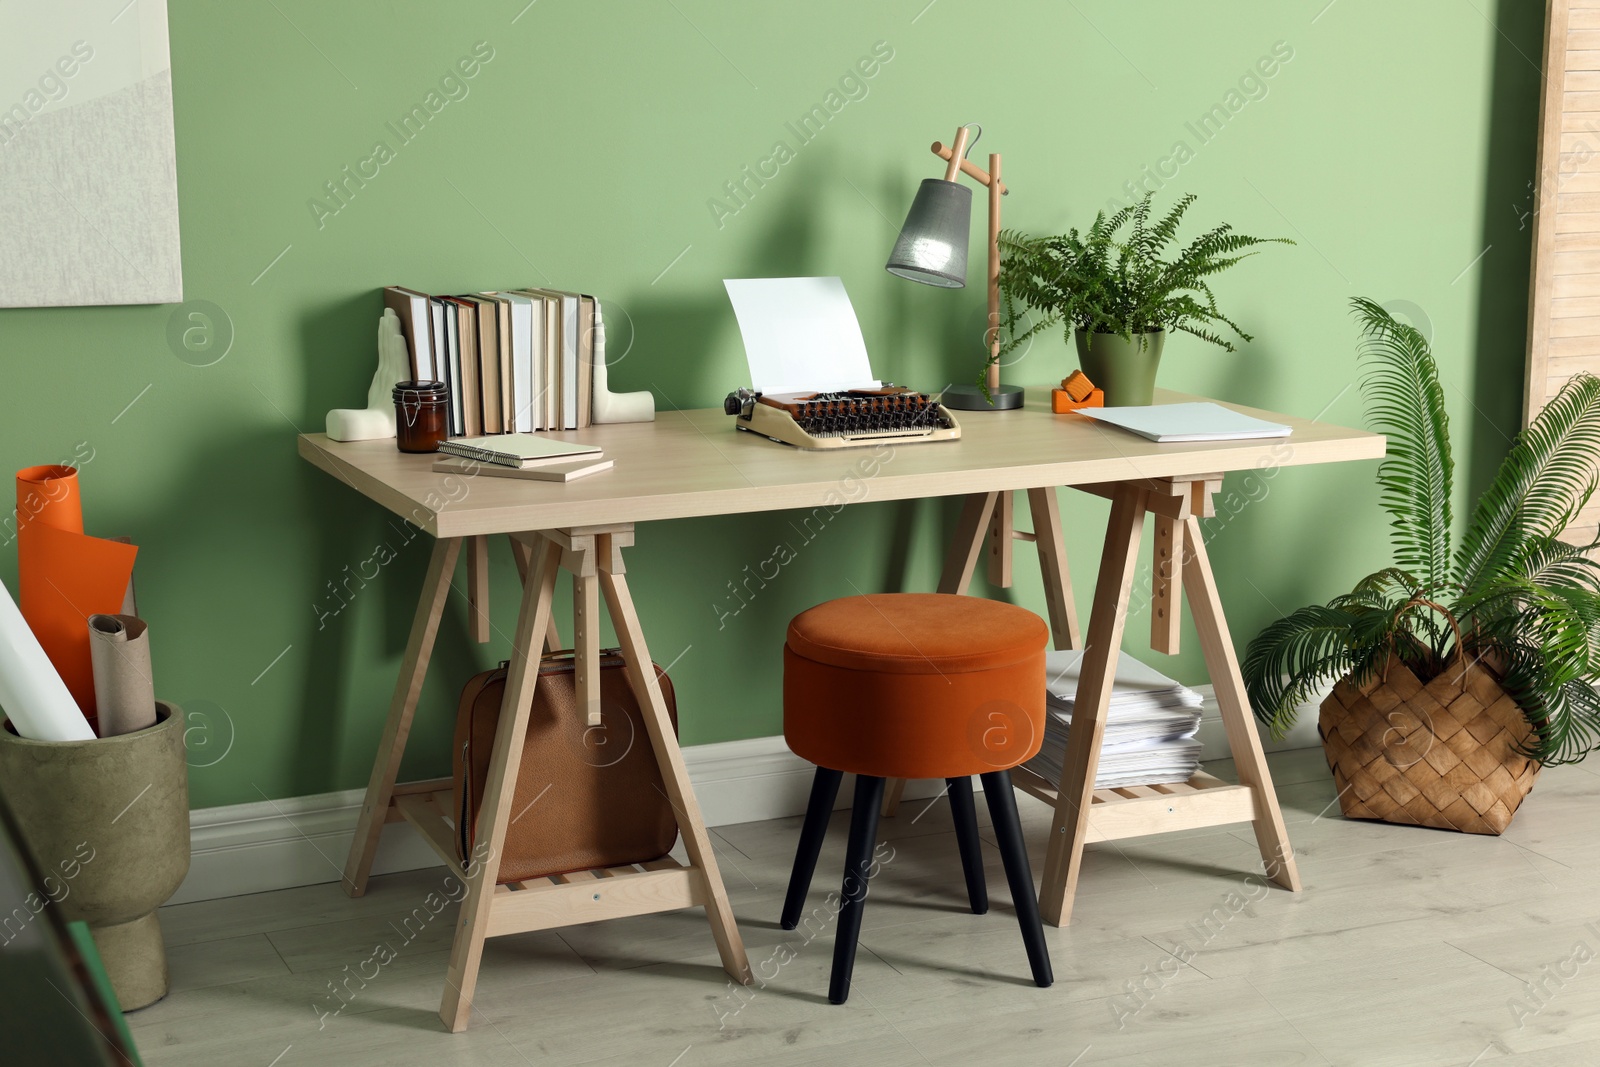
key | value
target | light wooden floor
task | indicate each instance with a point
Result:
(1407, 947)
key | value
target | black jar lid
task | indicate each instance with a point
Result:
(424, 388)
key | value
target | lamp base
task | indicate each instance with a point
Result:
(971, 398)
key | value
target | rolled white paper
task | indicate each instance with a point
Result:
(32, 694)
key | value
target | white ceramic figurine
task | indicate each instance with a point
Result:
(615, 407)
(376, 420)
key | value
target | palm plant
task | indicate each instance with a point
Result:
(1511, 594)
(1099, 282)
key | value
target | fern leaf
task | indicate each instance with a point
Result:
(1569, 728)
(1406, 404)
(1123, 276)
(1543, 482)
(1290, 658)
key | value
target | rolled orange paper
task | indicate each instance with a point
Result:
(65, 576)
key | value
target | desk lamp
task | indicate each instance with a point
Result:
(932, 249)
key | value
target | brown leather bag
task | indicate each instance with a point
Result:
(585, 796)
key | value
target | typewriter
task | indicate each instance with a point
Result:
(851, 419)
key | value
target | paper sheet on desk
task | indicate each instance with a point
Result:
(800, 335)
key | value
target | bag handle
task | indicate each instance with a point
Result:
(463, 821)
(1449, 617)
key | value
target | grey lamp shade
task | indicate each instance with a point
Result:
(932, 248)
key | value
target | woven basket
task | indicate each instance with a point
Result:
(1445, 754)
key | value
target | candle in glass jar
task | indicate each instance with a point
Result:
(420, 415)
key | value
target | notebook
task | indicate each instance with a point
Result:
(522, 324)
(488, 356)
(450, 362)
(570, 345)
(515, 449)
(416, 322)
(1198, 421)
(467, 365)
(564, 470)
(585, 360)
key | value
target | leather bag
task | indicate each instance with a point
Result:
(585, 796)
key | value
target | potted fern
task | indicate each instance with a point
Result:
(1120, 296)
(1460, 671)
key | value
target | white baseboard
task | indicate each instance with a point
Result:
(279, 844)
(1214, 738)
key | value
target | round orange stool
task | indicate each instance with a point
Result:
(914, 685)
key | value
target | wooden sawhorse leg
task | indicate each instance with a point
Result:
(1200, 586)
(593, 556)
(489, 909)
(1083, 813)
(494, 816)
(1064, 853)
(523, 554)
(674, 772)
(376, 808)
(986, 521)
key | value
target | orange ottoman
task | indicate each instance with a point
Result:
(914, 685)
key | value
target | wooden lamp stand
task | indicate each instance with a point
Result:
(970, 397)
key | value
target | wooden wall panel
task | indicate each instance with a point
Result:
(1564, 296)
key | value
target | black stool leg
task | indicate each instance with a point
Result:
(824, 788)
(966, 820)
(857, 862)
(1008, 832)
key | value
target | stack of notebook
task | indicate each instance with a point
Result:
(1150, 725)
(512, 361)
(521, 455)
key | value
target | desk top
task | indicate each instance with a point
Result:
(692, 463)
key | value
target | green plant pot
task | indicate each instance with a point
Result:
(1125, 369)
(107, 822)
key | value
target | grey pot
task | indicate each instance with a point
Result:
(1125, 369)
(107, 821)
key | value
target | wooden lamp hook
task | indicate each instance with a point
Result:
(956, 156)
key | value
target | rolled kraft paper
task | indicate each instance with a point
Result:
(66, 576)
(125, 696)
(32, 694)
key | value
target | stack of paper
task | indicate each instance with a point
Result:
(1150, 725)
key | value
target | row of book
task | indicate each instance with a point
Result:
(513, 361)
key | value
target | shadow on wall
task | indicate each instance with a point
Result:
(928, 337)
(1501, 348)
(675, 332)
(367, 564)
(663, 341)
(666, 328)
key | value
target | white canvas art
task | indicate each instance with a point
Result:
(88, 178)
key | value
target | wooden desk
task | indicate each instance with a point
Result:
(693, 463)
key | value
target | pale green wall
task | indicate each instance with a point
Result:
(1394, 146)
